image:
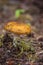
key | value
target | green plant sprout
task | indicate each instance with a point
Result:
(18, 13)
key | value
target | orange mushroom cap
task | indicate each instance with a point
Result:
(18, 28)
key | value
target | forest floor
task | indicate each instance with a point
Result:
(31, 56)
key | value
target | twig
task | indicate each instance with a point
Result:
(39, 52)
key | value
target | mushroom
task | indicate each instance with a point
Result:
(18, 27)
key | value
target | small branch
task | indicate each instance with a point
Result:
(39, 52)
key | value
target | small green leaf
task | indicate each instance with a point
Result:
(18, 12)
